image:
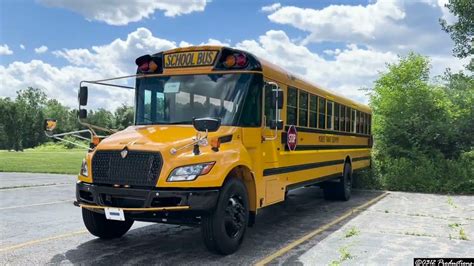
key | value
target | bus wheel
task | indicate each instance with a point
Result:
(339, 190)
(223, 229)
(98, 225)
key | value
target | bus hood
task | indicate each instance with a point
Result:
(156, 137)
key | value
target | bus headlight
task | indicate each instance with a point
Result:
(84, 170)
(190, 172)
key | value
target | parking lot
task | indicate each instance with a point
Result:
(39, 225)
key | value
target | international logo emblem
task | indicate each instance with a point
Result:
(124, 153)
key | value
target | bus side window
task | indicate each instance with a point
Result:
(348, 119)
(329, 111)
(322, 113)
(343, 118)
(336, 116)
(353, 120)
(303, 109)
(313, 111)
(370, 124)
(291, 107)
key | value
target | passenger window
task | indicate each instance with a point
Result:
(292, 100)
(303, 109)
(313, 111)
(336, 116)
(358, 124)
(353, 121)
(348, 119)
(322, 113)
(370, 124)
(343, 118)
(329, 112)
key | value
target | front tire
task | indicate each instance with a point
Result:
(224, 228)
(340, 190)
(98, 225)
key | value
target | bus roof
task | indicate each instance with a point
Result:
(279, 74)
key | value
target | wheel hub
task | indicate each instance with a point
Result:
(234, 217)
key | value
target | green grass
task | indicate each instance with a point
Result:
(59, 161)
(351, 232)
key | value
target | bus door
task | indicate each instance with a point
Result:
(272, 117)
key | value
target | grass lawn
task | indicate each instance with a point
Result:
(42, 161)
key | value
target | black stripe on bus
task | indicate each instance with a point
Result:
(311, 181)
(361, 159)
(327, 147)
(301, 167)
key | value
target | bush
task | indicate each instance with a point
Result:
(424, 174)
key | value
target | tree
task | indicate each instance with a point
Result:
(462, 31)
(411, 116)
(124, 116)
(10, 128)
(30, 104)
(102, 118)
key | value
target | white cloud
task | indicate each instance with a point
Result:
(111, 60)
(386, 25)
(351, 69)
(271, 8)
(5, 50)
(41, 49)
(123, 12)
(340, 22)
(22, 47)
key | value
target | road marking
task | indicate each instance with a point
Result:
(319, 230)
(34, 186)
(37, 204)
(41, 240)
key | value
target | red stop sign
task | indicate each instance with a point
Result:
(291, 138)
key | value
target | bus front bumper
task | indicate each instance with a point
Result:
(97, 197)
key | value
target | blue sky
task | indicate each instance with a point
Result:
(341, 45)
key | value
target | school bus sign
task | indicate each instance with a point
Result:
(190, 59)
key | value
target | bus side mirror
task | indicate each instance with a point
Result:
(206, 124)
(276, 124)
(82, 95)
(83, 114)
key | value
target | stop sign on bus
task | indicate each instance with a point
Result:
(292, 138)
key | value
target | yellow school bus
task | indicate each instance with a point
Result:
(218, 134)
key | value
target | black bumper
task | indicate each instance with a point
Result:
(107, 196)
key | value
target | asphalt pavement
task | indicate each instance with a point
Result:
(39, 225)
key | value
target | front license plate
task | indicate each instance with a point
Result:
(114, 214)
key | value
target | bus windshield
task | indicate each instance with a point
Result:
(179, 99)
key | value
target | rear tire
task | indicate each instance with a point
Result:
(98, 225)
(223, 229)
(340, 190)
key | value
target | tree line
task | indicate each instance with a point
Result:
(423, 129)
(22, 119)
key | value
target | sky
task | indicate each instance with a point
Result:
(340, 45)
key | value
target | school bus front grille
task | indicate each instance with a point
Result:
(137, 168)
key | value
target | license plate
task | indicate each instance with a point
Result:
(114, 214)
